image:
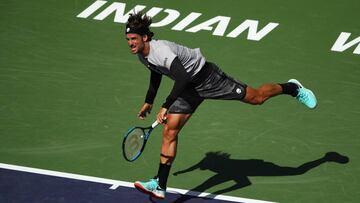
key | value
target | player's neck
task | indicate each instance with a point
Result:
(146, 49)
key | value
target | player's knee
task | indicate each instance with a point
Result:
(170, 134)
(254, 96)
(256, 100)
(171, 129)
(260, 100)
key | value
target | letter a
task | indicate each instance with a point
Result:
(222, 21)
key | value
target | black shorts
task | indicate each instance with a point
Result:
(209, 83)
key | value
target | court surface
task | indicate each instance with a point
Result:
(24, 184)
(70, 89)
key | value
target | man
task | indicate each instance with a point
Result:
(195, 79)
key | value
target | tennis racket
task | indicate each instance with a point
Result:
(134, 141)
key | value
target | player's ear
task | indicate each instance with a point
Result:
(145, 38)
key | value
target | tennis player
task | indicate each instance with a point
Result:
(195, 79)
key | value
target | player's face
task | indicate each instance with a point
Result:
(135, 42)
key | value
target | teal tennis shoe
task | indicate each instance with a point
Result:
(151, 188)
(305, 96)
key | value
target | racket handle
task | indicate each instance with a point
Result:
(156, 123)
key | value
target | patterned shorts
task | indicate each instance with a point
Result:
(216, 85)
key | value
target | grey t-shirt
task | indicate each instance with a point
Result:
(163, 52)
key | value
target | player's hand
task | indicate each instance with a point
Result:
(145, 109)
(161, 116)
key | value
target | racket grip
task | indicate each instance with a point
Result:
(156, 123)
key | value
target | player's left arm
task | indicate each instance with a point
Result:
(182, 79)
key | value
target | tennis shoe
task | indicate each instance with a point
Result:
(151, 188)
(305, 96)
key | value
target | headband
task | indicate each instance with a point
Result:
(137, 30)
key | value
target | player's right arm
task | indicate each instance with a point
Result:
(155, 80)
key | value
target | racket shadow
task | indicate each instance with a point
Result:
(239, 171)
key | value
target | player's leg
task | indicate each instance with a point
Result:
(156, 187)
(177, 116)
(171, 129)
(292, 87)
(174, 124)
(215, 84)
(261, 94)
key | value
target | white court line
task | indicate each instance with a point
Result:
(116, 183)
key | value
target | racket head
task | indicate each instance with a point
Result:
(133, 143)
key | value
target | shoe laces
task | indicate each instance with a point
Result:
(303, 96)
(153, 184)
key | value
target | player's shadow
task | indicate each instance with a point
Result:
(228, 169)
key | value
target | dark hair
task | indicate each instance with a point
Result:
(139, 23)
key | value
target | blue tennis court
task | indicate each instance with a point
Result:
(23, 184)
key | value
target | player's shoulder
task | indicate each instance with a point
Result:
(158, 43)
(162, 52)
(161, 47)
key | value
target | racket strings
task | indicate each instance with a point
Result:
(134, 143)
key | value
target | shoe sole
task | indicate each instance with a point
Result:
(139, 187)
